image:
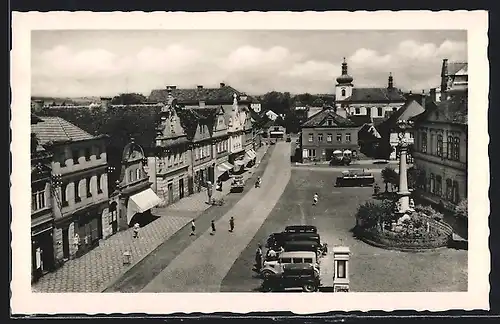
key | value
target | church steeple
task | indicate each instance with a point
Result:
(390, 83)
(345, 78)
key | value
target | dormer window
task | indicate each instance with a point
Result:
(329, 122)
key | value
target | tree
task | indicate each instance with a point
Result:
(416, 178)
(461, 209)
(128, 99)
(389, 175)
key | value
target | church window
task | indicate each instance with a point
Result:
(343, 92)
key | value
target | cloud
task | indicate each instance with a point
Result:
(65, 71)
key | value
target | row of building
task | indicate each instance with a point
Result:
(365, 120)
(202, 135)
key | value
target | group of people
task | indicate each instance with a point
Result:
(271, 255)
(212, 225)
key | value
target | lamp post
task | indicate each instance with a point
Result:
(403, 193)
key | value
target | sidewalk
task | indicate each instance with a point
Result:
(93, 271)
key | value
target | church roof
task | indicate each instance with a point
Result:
(319, 119)
(373, 95)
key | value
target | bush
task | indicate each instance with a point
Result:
(430, 212)
(372, 213)
(461, 209)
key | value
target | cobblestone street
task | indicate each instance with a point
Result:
(94, 271)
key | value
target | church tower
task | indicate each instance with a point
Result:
(343, 89)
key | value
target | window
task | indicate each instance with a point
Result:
(312, 153)
(87, 154)
(439, 186)
(308, 260)
(432, 183)
(348, 137)
(424, 142)
(439, 150)
(75, 155)
(341, 271)
(286, 260)
(394, 109)
(339, 137)
(64, 200)
(329, 138)
(98, 152)
(88, 187)
(130, 175)
(449, 190)
(329, 122)
(311, 137)
(433, 147)
(138, 173)
(456, 148)
(320, 137)
(297, 260)
(357, 111)
(449, 147)
(99, 187)
(77, 192)
(379, 111)
(343, 92)
(38, 199)
(455, 193)
(368, 111)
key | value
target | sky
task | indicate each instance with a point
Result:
(75, 63)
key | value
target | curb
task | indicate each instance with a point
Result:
(132, 265)
(394, 248)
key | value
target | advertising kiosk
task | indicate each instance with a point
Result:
(341, 256)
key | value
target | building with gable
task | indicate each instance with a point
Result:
(373, 101)
(80, 192)
(132, 200)
(326, 132)
(220, 140)
(170, 168)
(42, 217)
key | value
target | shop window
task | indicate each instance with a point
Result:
(312, 153)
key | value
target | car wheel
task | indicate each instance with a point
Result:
(266, 273)
(266, 288)
(309, 288)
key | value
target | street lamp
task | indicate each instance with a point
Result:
(404, 194)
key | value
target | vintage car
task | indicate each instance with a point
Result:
(277, 240)
(341, 158)
(355, 178)
(301, 275)
(275, 266)
(237, 184)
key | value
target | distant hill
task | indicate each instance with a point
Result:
(67, 100)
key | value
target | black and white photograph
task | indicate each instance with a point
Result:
(245, 164)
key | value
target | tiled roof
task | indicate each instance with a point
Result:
(360, 120)
(409, 110)
(375, 95)
(319, 118)
(454, 110)
(56, 129)
(454, 67)
(209, 95)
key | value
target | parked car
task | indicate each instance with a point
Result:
(301, 229)
(355, 178)
(237, 184)
(293, 276)
(276, 240)
(272, 267)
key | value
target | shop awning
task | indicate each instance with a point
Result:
(251, 154)
(141, 202)
(225, 166)
(239, 162)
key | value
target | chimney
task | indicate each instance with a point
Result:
(200, 87)
(222, 84)
(390, 84)
(105, 103)
(38, 105)
(444, 75)
(432, 93)
(423, 99)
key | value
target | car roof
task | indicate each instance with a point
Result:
(299, 227)
(297, 254)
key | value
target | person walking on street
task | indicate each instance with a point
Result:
(193, 228)
(231, 224)
(136, 230)
(213, 228)
(315, 198)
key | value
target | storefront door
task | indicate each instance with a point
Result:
(181, 188)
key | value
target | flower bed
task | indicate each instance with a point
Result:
(424, 229)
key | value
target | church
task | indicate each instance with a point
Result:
(373, 102)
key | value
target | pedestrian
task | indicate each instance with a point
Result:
(213, 228)
(193, 228)
(136, 230)
(258, 258)
(315, 198)
(231, 224)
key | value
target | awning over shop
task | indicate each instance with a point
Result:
(223, 167)
(251, 154)
(141, 202)
(239, 162)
